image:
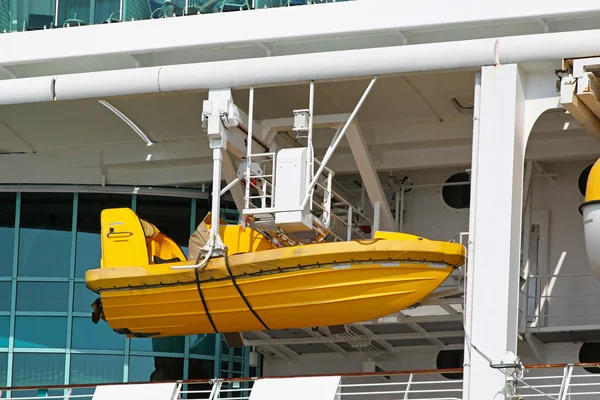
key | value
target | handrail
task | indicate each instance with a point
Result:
(343, 375)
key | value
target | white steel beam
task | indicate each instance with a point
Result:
(492, 312)
(272, 26)
(230, 174)
(369, 176)
(341, 338)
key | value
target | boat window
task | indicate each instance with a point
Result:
(7, 233)
(90, 205)
(169, 214)
(96, 368)
(45, 235)
(448, 359)
(456, 195)
(583, 178)
(89, 336)
(35, 369)
(590, 353)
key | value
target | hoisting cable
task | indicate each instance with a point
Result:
(241, 293)
(203, 300)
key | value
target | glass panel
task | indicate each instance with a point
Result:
(45, 236)
(170, 215)
(88, 251)
(42, 296)
(7, 232)
(38, 393)
(32, 15)
(164, 345)
(107, 11)
(84, 298)
(4, 332)
(3, 368)
(135, 10)
(145, 369)
(33, 369)
(203, 345)
(87, 368)
(202, 369)
(87, 335)
(74, 12)
(33, 332)
(5, 295)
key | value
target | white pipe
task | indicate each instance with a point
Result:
(337, 141)
(402, 205)
(397, 213)
(249, 147)
(471, 244)
(265, 71)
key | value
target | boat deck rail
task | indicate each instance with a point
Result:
(543, 381)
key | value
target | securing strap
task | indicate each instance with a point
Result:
(204, 301)
(242, 294)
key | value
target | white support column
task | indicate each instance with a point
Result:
(492, 311)
(369, 176)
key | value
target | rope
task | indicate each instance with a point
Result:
(241, 293)
(204, 301)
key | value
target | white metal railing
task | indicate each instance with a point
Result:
(556, 381)
(545, 295)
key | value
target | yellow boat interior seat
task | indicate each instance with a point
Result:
(128, 241)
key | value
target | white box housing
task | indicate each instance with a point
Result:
(290, 190)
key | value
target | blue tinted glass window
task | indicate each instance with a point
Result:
(7, 232)
(88, 368)
(42, 296)
(45, 235)
(3, 368)
(19, 394)
(88, 251)
(33, 369)
(165, 345)
(4, 332)
(5, 295)
(44, 332)
(87, 335)
(84, 298)
(202, 345)
(146, 369)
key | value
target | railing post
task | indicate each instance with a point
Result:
(376, 210)
(564, 387)
(216, 388)
(410, 378)
(349, 228)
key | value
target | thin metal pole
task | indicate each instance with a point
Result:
(349, 228)
(397, 214)
(376, 211)
(402, 205)
(216, 193)
(249, 147)
(311, 150)
(335, 144)
(471, 244)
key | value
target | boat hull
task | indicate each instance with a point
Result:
(320, 296)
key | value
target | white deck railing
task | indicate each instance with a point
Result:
(557, 381)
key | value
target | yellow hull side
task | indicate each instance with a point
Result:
(315, 297)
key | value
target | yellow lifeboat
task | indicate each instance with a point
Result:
(146, 290)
